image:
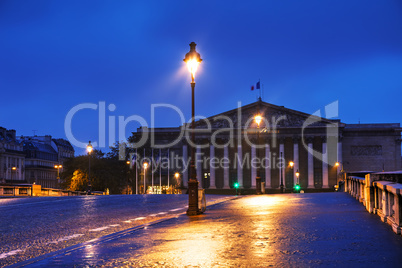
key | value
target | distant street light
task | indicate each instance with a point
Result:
(280, 170)
(145, 165)
(128, 176)
(297, 186)
(291, 164)
(177, 176)
(339, 181)
(258, 119)
(15, 172)
(193, 59)
(89, 150)
(58, 167)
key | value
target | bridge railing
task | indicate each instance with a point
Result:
(37, 190)
(381, 194)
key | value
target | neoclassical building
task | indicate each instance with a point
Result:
(231, 147)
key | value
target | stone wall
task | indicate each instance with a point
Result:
(371, 147)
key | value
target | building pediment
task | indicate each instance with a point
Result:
(273, 115)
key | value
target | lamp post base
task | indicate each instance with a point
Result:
(193, 198)
(258, 185)
(282, 189)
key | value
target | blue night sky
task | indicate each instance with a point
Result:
(59, 54)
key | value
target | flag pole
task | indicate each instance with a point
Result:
(263, 91)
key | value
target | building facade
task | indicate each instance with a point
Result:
(288, 147)
(12, 157)
(42, 155)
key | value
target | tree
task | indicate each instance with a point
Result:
(106, 172)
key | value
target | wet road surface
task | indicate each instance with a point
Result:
(30, 227)
(291, 230)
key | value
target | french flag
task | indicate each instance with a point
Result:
(257, 86)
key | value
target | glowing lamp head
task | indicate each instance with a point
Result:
(258, 119)
(176, 175)
(89, 147)
(145, 165)
(193, 59)
(128, 162)
(291, 164)
(14, 168)
(297, 173)
(56, 166)
(337, 164)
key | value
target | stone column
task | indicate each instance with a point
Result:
(253, 168)
(226, 168)
(282, 152)
(324, 164)
(268, 166)
(239, 166)
(295, 159)
(310, 164)
(198, 166)
(185, 162)
(385, 203)
(212, 184)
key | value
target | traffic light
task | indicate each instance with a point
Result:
(297, 188)
(236, 186)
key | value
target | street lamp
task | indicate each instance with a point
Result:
(258, 119)
(291, 164)
(89, 150)
(177, 176)
(58, 167)
(145, 165)
(297, 186)
(280, 170)
(192, 59)
(15, 171)
(340, 180)
(128, 176)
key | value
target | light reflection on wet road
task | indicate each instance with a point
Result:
(30, 227)
(292, 230)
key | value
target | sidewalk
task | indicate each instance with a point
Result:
(297, 230)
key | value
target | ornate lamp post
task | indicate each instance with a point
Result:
(258, 120)
(193, 59)
(177, 177)
(58, 167)
(280, 170)
(340, 177)
(297, 186)
(89, 150)
(145, 172)
(13, 171)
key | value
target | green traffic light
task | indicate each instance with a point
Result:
(297, 187)
(236, 185)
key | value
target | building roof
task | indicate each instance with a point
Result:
(64, 143)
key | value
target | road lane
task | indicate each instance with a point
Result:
(34, 226)
(291, 230)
